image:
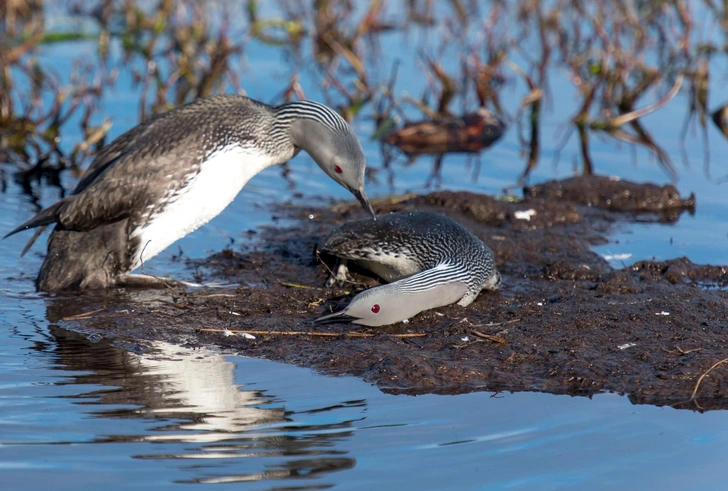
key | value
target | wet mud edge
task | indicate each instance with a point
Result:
(564, 320)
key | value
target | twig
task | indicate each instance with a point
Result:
(317, 333)
(678, 350)
(166, 284)
(296, 285)
(697, 385)
(83, 315)
(333, 275)
(489, 337)
(490, 324)
(636, 114)
(32, 240)
(209, 295)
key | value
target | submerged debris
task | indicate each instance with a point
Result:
(470, 133)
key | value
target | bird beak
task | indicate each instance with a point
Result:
(336, 317)
(362, 197)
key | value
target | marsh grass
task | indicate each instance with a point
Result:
(623, 60)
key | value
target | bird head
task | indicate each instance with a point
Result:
(332, 144)
(374, 307)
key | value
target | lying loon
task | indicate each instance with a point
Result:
(430, 260)
(173, 173)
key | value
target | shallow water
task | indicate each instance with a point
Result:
(84, 415)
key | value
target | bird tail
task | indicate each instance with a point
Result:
(46, 216)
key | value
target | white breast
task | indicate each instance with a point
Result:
(220, 179)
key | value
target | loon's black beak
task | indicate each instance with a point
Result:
(362, 197)
(334, 318)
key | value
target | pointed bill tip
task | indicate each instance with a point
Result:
(362, 197)
(333, 318)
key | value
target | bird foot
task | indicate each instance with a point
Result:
(467, 299)
(149, 281)
(340, 276)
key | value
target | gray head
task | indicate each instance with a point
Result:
(403, 299)
(378, 306)
(330, 142)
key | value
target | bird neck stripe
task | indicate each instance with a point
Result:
(314, 111)
(432, 278)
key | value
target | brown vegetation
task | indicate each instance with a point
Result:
(624, 60)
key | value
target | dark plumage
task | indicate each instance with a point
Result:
(405, 243)
(146, 185)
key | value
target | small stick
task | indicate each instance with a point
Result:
(37, 233)
(141, 260)
(83, 315)
(318, 256)
(678, 350)
(493, 324)
(697, 385)
(296, 285)
(316, 333)
(489, 337)
(210, 295)
(490, 324)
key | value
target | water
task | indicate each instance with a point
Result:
(78, 414)
(82, 415)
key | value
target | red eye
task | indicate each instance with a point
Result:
(337, 169)
(375, 308)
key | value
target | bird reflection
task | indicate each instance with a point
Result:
(193, 385)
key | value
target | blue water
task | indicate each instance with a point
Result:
(77, 414)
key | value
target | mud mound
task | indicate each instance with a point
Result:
(563, 322)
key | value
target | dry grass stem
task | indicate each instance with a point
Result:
(316, 333)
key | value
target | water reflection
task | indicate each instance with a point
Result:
(191, 397)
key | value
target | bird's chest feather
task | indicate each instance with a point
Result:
(203, 197)
(388, 266)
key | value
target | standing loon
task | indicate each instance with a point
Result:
(173, 173)
(430, 260)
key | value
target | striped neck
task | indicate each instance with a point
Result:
(442, 274)
(296, 121)
(286, 114)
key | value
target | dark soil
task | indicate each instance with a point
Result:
(564, 321)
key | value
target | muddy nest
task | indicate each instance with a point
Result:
(564, 321)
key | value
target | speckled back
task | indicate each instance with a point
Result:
(425, 238)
